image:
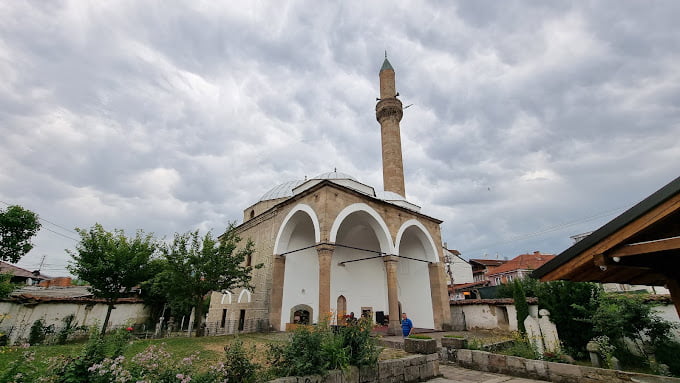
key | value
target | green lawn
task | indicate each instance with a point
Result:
(209, 349)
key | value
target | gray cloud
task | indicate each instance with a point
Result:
(531, 121)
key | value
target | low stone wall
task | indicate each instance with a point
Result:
(413, 368)
(538, 369)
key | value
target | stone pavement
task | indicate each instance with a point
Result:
(455, 374)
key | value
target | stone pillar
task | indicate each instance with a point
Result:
(391, 263)
(325, 252)
(278, 271)
(440, 296)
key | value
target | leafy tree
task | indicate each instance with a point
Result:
(521, 305)
(17, 227)
(112, 263)
(620, 316)
(6, 286)
(568, 303)
(198, 265)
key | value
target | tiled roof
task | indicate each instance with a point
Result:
(498, 301)
(18, 271)
(523, 262)
(489, 262)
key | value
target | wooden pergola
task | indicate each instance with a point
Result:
(639, 247)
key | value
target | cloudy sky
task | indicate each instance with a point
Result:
(531, 121)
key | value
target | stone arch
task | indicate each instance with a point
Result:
(227, 295)
(247, 295)
(298, 234)
(376, 222)
(417, 250)
(289, 224)
(419, 230)
(302, 307)
(361, 240)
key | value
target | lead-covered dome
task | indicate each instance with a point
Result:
(285, 189)
(282, 190)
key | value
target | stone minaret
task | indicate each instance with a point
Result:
(388, 112)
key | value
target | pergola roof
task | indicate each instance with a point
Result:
(641, 246)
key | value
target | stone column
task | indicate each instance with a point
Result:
(440, 296)
(391, 263)
(278, 270)
(325, 252)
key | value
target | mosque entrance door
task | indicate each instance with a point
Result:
(301, 317)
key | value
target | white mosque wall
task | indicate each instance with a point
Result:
(414, 282)
(362, 283)
(301, 275)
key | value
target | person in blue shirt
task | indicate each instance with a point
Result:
(406, 325)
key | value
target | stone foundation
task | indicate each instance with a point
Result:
(538, 369)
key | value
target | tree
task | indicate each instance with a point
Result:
(112, 263)
(521, 305)
(17, 227)
(198, 265)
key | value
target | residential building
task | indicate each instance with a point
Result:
(518, 267)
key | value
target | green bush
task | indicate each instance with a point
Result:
(317, 350)
(667, 353)
(39, 332)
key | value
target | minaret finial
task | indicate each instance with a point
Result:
(385, 53)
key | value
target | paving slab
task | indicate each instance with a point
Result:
(455, 374)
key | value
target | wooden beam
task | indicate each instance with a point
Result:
(674, 288)
(672, 243)
(584, 260)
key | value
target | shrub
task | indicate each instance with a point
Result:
(39, 332)
(360, 344)
(67, 329)
(300, 355)
(667, 353)
(237, 366)
(317, 350)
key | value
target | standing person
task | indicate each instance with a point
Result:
(406, 325)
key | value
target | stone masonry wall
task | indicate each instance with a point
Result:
(538, 369)
(413, 368)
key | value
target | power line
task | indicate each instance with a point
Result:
(546, 230)
(52, 223)
(63, 235)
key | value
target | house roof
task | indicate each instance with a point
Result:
(70, 294)
(19, 272)
(523, 262)
(488, 262)
(654, 219)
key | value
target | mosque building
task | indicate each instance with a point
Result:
(332, 245)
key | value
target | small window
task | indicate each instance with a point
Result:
(252, 213)
(224, 318)
(249, 260)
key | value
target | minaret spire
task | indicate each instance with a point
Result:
(388, 112)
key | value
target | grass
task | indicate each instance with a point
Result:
(210, 349)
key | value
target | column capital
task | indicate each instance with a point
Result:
(390, 258)
(325, 247)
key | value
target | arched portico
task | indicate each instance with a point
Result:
(416, 251)
(357, 273)
(295, 275)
